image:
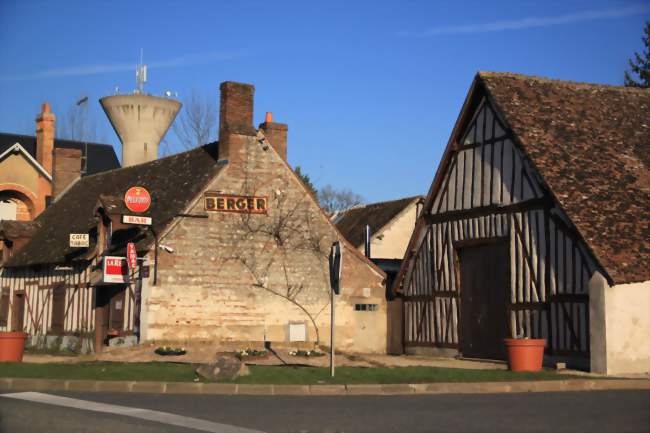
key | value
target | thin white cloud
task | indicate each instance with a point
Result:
(77, 71)
(533, 22)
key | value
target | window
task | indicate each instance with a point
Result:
(365, 307)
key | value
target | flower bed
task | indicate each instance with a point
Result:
(170, 351)
(250, 353)
(306, 353)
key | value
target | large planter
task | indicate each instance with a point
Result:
(525, 354)
(12, 346)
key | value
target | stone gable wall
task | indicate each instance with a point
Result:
(240, 277)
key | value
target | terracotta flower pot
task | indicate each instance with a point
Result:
(525, 354)
(12, 346)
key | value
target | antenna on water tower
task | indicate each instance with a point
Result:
(141, 75)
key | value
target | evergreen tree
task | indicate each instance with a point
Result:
(640, 65)
(306, 181)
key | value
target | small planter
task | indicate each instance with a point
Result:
(170, 351)
(12, 346)
(250, 354)
(525, 354)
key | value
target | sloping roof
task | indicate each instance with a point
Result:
(352, 222)
(591, 144)
(101, 157)
(10, 229)
(172, 182)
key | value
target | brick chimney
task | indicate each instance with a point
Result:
(235, 120)
(45, 124)
(276, 133)
(67, 169)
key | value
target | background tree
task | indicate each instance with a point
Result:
(306, 181)
(333, 200)
(640, 65)
(196, 124)
(77, 124)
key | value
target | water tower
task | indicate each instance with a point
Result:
(140, 120)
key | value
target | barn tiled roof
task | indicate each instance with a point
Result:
(591, 144)
(100, 157)
(172, 182)
(352, 222)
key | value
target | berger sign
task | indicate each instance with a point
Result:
(215, 202)
(115, 270)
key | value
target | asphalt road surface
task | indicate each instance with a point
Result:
(592, 412)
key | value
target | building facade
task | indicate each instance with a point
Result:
(236, 251)
(534, 227)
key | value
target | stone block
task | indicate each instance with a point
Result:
(70, 343)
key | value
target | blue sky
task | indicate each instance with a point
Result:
(370, 90)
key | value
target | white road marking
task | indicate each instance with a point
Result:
(150, 415)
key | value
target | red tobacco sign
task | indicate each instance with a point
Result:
(131, 255)
(137, 199)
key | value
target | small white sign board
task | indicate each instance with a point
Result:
(79, 240)
(297, 332)
(134, 219)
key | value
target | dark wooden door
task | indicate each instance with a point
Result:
(116, 320)
(484, 288)
(109, 312)
(18, 312)
(58, 310)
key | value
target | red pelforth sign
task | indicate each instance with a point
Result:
(115, 270)
(216, 202)
(137, 199)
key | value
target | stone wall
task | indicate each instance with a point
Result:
(619, 327)
(242, 277)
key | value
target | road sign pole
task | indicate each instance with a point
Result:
(333, 306)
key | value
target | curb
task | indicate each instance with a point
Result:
(18, 384)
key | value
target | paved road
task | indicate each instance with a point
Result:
(593, 412)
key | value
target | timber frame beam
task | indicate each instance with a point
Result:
(482, 211)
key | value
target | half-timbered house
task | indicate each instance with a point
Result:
(537, 225)
(233, 248)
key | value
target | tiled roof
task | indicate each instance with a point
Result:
(172, 182)
(591, 144)
(101, 157)
(352, 222)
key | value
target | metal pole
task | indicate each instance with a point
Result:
(332, 333)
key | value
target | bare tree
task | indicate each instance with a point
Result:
(332, 200)
(196, 123)
(77, 123)
(286, 232)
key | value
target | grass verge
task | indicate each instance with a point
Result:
(382, 375)
(178, 372)
(141, 371)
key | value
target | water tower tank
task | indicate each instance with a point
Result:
(140, 121)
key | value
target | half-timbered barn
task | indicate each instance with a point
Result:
(537, 225)
(232, 249)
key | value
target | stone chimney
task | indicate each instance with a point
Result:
(45, 124)
(235, 120)
(67, 169)
(276, 133)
